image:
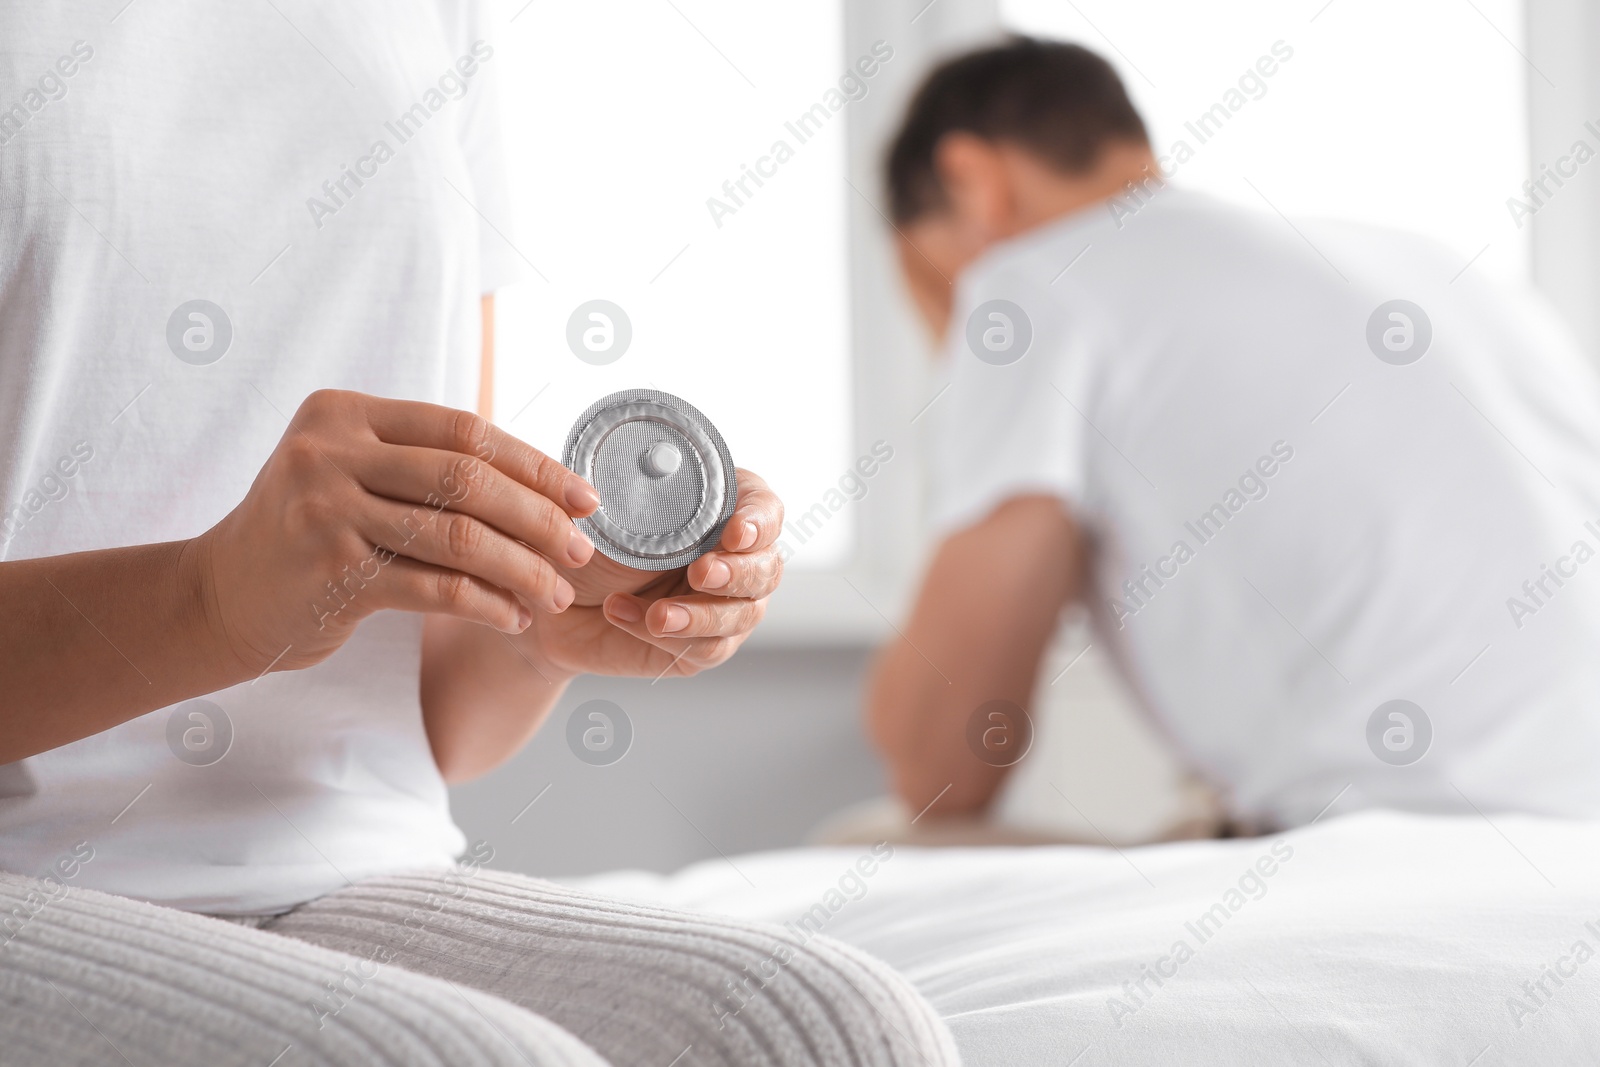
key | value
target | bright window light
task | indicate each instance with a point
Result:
(622, 121)
(1406, 115)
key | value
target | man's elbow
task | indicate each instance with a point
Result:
(933, 792)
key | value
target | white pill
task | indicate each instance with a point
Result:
(662, 459)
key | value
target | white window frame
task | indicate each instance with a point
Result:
(1561, 41)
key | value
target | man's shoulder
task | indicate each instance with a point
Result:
(1172, 234)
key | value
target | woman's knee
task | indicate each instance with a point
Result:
(843, 1005)
(641, 983)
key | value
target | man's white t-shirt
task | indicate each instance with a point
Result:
(1305, 501)
(316, 172)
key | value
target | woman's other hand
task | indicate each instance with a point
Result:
(652, 624)
(368, 503)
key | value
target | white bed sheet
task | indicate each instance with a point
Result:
(1382, 938)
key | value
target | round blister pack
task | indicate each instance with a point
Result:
(664, 475)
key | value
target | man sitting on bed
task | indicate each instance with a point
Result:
(1332, 503)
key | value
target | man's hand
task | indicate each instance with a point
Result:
(651, 623)
(368, 504)
(931, 290)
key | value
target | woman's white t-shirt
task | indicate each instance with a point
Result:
(208, 211)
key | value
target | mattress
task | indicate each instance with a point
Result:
(1372, 938)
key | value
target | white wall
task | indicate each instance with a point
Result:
(752, 754)
(755, 754)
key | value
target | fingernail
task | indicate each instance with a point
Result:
(747, 536)
(717, 575)
(564, 596)
(625, 609)
(674, 619)
(581, 495)
(524, 618)
(579, 547)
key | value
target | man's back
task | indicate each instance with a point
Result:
(1318, 468)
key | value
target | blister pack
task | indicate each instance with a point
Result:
(665, 478)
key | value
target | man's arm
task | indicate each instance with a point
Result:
(987, 610)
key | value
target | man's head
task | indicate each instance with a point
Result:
(1001, 140)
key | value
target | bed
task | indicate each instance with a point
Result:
(1371, 938)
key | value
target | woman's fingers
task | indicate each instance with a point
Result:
(758, 520)
(464, 544)
(676, 654)
(367, 504)
(747, 563)
(406, 585)
(752, 574)
(700, 615)
(407, 422)
(681, 635)
(733, 582)
(436, 479)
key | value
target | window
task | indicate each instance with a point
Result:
(1406, 115)
(641, 142)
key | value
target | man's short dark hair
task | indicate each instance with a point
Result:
(1059, 101)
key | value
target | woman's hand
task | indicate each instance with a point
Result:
(368, 503)
(652, 623)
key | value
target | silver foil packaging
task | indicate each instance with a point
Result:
(665, 478)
